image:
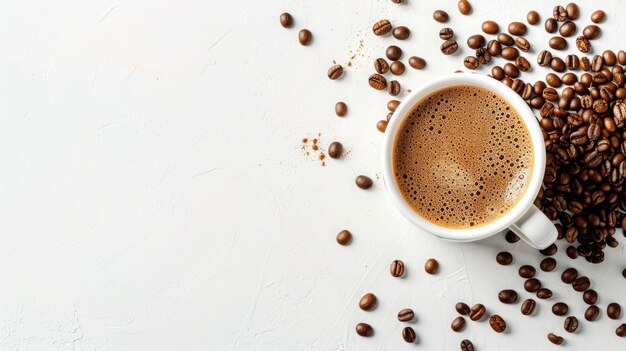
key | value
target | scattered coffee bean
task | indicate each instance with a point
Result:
(458, 324)
(528, 307)
(393, 53)
(504, 258)
(446, 33)
(467, 345)
(381, 125)
(572, 62)
(483, 56)
(397, 268)
(344, 237)
(522, 43)
(377, 82)
(569, 275)
(590, 297)
(381, 66)
(490, 27)
(367, 302)
(517, 28)
(544, 293)
(394, 88)
(464, 7)
(526, 271)
(614, 310)
(511, 237)
(401, 33)
(598, 16)
(557, 340)
(558, 43)
(549, 251)
(560, 309)
(592, 313)
(431, 266)
(417, 62)
(572, 11)
(505, 39)
(477, 312)
(364, 329)
(494, 47)
(532, 285)
(559, 13)
(621, 330)
(341, 109)
(476, 41)
(548, 264)
(522, 64)
(509, 53)
(397, 68)
(532, 17)
(571, 324)
(610, 59)
(449, 47)
(497, 323)
(335, 72)
(408, 334)
(363, 182)
(382, 27)
(591, 32)
(624, 273)
(544, 58)
(305, 37)
(286, 20)
(583, 45)
(507, 296)
(462, 308)
(406, 315)
(581, 283)
(440, 16)
(551, 25)
(571, 252)
(392, 105)
(335, 149)
(567, 29)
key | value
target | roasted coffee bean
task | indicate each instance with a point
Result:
(572, 11)
(341, 109)
(517, 28)
(551, 94)
(569, 275)
(364, 329)
(377, 82)
(522, 64)
(528, 307)
(483, 56)
(553, 80)
(569, 79)
(509, 53)
(344, 237)
(408, 334)
(305, 37)
(557, 64)
(597, 62)
(522, 43)
(471, 62)
(393, 53)
(458, 324)
(504, 258)
(572, 62)
(555, 339)
(549, 251)
(406, 315)
(462, 308)
(590, 297)
(583, 45)
(532, 17)
(401, 33)
(581, 283)
(598, 16)
(559, 13)
(621, 330)
(610, 59)
(567, 29)
(497, 323)
(548, 264)
(367, 302)
(446, 33)
(592, 312)
(490, 27)
(532, 285)
(560, 309)
(449, 47)
(335, 149)
(477, 312)
(476, 41)
(431, 266)
(551, 25)
(624, 271)
(382, 27)
(621, 57)
(494, 47)
(286, 20)
(467, 345)
(571, 324)
(507, 296)
(392, 105)
(591, 32)
(526, 271)
(440, 16)
(558, 43)
(397, 268)
(335, 72)
(544, 58)
(544, 293)
(394, 88)
(505, 39)
(585, 64)
(381, 66)
(381, 125)
(497, 72)
(397, 68)
(614, 310)
(511, 237)
(464, 7)
(417, 62)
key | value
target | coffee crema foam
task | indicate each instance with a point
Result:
(463, 157)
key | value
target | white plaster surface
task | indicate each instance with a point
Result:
(154, 195)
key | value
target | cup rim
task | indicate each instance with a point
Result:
(401, 113)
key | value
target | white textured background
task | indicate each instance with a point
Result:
(154, 195)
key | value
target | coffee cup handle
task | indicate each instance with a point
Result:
(535, 229)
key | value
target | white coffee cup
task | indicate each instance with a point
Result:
(524, 219)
